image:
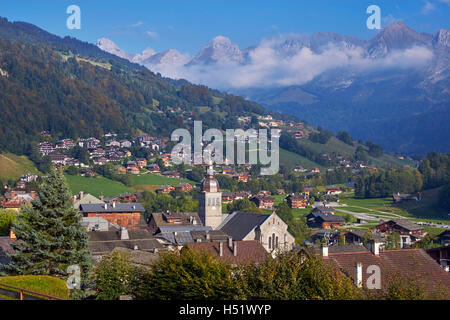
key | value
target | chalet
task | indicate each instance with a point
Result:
(234, 252)
(113, 143)
(358, 262)
(46, 134)
(324, 210)
(100, 160)
(125, 144)
(153, 167)
(126, 215)
(409, 231)
(133, 170)
(144, 138)
(327, 221)
(296, 201)
(45, 148)
(97, 151)
(405, 197)
(89, 143)
(58, 158)
(267, 229)
(300, 169)
(228, 197)
(308, 190)
(165, 189)
(242, 177)
(333, 190)
(281, 191)
(88, 173)
(171, 174)
(442, 256)
(315, 170)
(184, 187)
(65, 144)
(263, 201)
(444, 238)
(141, 162)
(15, 199)
(123, 198)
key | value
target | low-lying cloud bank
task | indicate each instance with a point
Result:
(266, 67)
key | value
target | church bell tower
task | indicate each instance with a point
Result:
(210, 201)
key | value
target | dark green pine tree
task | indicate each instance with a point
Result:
(50, 237)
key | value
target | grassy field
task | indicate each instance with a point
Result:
(293, 159)
(96, 186)
(156, 180)
(41, 284)
(13, 166)
(424, 210)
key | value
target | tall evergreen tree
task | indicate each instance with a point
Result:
(50, 237)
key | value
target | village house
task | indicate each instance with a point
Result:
(13, 200)
(184, 187)
(165, 189)
(153, 168)
(171, 174)
(29, 177)
(300, 169)
(133, 170)
(333, 190)
(228, 197)
(65, 144)
(121, 170)
(242, 177)
(358, 263)
(127, 215)
(58, 158)
(326, 221)
(444, 238)
(84, 198)
(125, 144)
(45, 148)
(172, 220)
(104, 242)
(113, 143)
(442, 256)
(263, 201)
(409, 232)
(141, 162)
(267, 229)
(297, 201)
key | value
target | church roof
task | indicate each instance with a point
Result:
(239, 224)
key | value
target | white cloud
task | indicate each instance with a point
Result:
(428, 7)
(137, 24)
(266, 68)
(152, 34)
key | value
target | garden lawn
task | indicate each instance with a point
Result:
(41, 284)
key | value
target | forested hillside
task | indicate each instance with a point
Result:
(74, 89)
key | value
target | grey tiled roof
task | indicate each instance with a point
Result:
(239, 224)
(119, 207)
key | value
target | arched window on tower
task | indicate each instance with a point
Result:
(273, 240)
(270, 243)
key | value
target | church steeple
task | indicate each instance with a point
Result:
(210, 200)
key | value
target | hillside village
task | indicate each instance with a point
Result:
(121, 223)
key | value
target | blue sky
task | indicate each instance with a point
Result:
(187, 25)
